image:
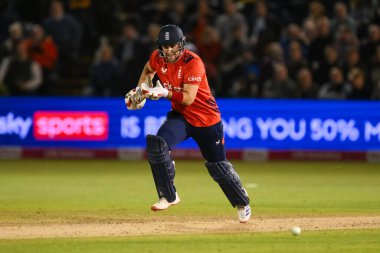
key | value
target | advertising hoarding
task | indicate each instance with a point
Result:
(248, 123)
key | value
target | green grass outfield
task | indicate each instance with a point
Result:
(40, 192)
(311, 242)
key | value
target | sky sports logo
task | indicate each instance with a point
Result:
(12, 124)
(70, 126)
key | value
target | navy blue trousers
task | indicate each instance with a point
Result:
(209, 139)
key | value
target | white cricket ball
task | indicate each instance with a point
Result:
(296, 230)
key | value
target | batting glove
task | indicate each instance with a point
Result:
(157, 92)
(144, 89)
(135, 99)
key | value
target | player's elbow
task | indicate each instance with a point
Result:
(187, 100)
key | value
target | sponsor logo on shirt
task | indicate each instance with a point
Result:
(164, 70)
(171, 87)
(194, 79)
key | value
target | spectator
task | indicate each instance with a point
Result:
(336, 88)
(154, 11)
(316, 11)
(342, 19)
(369, 45)
(130, 51)
(309, 32)
(330, 61)
(178, 14)
(209, 48)
(323, 39)
(9, 46)
(345, 39)
(293, 34)
(307, 88)
(232, 60)
(66, 33)
(21, 75)
(362, 12)
(264, 29)
(245, 84)
(209, 45)
(281, 86)
(274, 54)
(250, 34)
(105, 74)
(227, 23)
(203, 16)
(359, 89)
(43, 50)
(352, 60)
(296, 60)
(150, 39)
(83, 11)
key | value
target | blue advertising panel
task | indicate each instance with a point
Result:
(248, 123)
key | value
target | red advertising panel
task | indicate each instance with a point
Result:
(70, 125)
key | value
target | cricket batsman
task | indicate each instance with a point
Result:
(194, 113)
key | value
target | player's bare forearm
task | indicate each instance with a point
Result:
(147, 71)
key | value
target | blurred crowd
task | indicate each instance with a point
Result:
(322, 49)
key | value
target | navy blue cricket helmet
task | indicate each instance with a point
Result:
(170, 34)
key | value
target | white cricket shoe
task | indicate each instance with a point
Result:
(244, 213)
(163, 204)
